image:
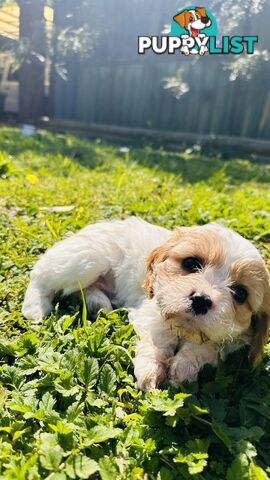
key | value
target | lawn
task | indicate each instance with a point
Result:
(69, 406)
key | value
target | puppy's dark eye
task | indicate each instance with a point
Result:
(239, 293)
(192, 264)
(191, 19)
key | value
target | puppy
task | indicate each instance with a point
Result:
(192, 294)
(193, 21)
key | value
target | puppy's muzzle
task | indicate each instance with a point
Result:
(200, 303)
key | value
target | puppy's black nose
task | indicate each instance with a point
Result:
(200, 303)
(205, 20)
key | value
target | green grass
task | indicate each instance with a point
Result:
(69, 407)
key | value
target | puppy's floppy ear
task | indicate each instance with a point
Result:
(157, 255)
(201, 11)
(181, 19)
(260, 324)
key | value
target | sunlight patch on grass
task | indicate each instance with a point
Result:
(69, 406)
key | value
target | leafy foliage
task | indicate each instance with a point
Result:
(69, 405)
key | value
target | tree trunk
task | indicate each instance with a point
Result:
(32, 71)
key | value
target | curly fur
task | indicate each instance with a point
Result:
(134, 264)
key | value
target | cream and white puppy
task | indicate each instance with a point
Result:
(190, 292)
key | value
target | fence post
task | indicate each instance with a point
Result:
(32, 71)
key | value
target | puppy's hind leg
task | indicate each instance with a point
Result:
(96, 299)
(37, 302)
(70, 264)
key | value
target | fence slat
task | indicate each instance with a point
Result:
(118, 87)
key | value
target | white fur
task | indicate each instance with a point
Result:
(197, 23)
(107, 260)
(119, 247)
(189, 360)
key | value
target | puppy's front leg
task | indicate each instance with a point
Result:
(187, 363)
(155, 346)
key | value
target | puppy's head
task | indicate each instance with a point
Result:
(193, 20)
(211, 284)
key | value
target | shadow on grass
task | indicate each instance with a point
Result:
(191, 167)
(42, 144)
(196, 167)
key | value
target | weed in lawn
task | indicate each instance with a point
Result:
(69, 406)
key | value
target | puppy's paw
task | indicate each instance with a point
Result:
(36, 309)
(203, 50)
(182, 370)
(96, 299)
(185, 50)
(150, 378)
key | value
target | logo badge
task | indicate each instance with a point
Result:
(194, 25)
(194, 31)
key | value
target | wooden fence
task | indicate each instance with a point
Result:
(116, 86)
(255, 149)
